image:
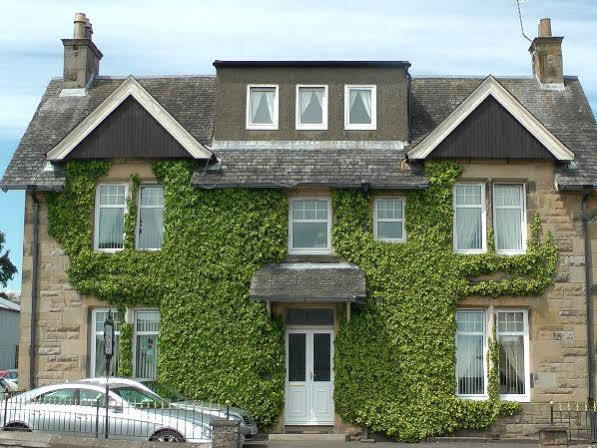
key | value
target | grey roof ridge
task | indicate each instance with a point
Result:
(122, 77)
(481, 77)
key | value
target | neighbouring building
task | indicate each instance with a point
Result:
(314, 136)
(10, 329)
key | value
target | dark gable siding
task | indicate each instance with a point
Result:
(129, 132)
(490, 132)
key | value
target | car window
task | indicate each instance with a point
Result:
(89, 397)
(59, 396)
(164, 391)
(139, 398)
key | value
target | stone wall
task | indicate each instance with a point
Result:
(557, 320)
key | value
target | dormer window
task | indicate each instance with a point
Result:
(360, 107)
(311, 107)
(262, 107)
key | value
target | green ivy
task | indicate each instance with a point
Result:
(125, 355)
(394, 361)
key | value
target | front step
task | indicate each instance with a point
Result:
(307, 437)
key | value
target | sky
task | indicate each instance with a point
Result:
(438, 37)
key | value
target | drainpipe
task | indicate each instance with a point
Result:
(588, 294)
(34, 289)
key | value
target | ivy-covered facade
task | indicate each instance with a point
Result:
(315, 243)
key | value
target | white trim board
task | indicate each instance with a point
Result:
(130, 87)
(490, 86)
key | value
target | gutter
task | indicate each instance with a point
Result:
(588, 295)
(34, 288)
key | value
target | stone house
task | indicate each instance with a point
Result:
(526, 146)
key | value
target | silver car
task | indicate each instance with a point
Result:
(79, 409)
(248, 427)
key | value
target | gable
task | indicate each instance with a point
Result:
(128, 132)
(491, 132)
(129, 88)
(490, 87)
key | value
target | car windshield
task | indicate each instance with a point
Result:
(164, 391)
(140, 398)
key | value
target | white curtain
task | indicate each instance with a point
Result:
(311, 105)
(468, 228)
(360, 106)
(511, 364)
(262, 106)
(469, 364)
(508, 217)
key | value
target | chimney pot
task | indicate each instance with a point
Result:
(545, 27)
(80, 24)
(88, 29)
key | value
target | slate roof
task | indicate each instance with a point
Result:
(294, 282)
(189, 99)
(566, 114)
(303, 166)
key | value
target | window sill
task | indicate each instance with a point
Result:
(311, 127)
(256, 127)
(369, 127)
(109, 251)
(473, 397)
(309, 252)
(471, 252)
(511, 252)
(519, 398)
(391, 240)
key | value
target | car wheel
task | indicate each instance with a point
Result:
(166, 435)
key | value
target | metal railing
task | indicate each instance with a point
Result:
(579, 419)
(86, 417)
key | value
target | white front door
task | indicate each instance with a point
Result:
(309, 377)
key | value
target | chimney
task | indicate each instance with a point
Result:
(81, 56)
(546, 55)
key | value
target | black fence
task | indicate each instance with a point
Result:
(579, 419)
(85, 414)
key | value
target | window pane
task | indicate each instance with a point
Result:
(469, 231)
(309, 316)
(321, 357)
(389, 209)
(508, 229)
(508, 195)
(147, 320)
(467, 194)
(389, 230)
(91, 397)
(60, 396)
(310, 209)
(512, 374)
(147, 351)
(100, 358)
(510, 322)
(100, 317)
(152, 196)
(311, 105)
(111, 225)
(151, 228)
(470, 374)
(262, 106)
(297, 345)
(112, 195)
(310, 235)
(360, 106)
(470, 321)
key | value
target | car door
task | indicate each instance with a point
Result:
(53, 411)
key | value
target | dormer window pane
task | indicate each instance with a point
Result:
(262, 107)
(311, 103)
(360, 106)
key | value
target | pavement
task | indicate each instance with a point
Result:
(460, 444)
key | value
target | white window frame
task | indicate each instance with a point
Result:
(263, 127)
(324, 109)
(484, 395)
(401, 220)
(308, 251)
(97, 215)
(93, 335)
(142, 333)
(523, 215)
(139, 206)
(360, 126)
(483, 220)
(526, 397)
